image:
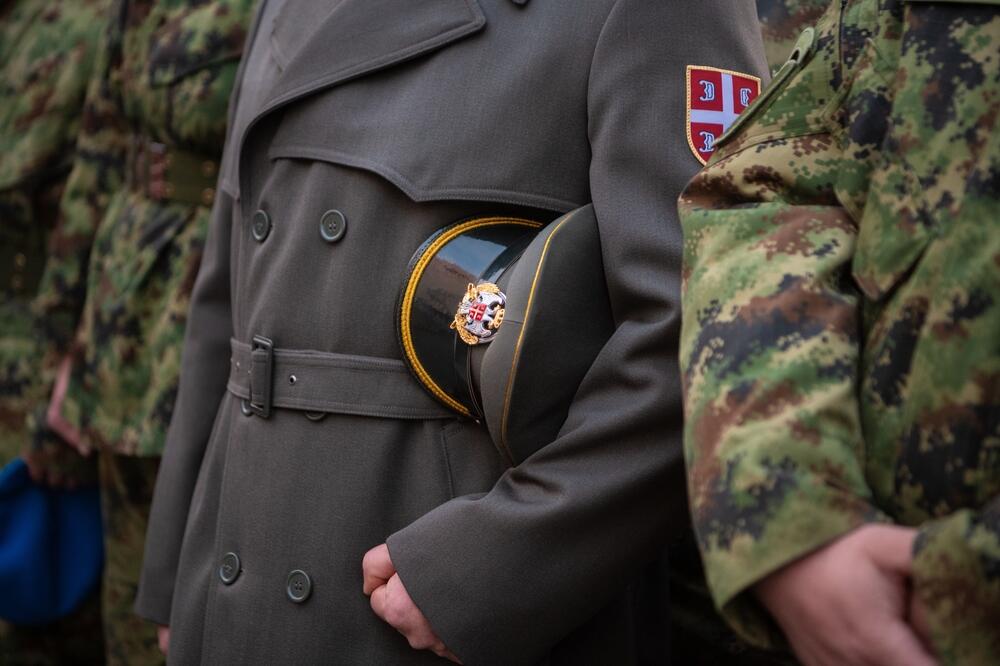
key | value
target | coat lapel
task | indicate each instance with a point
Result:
(359, 37)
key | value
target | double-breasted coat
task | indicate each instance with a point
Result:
(357, 130)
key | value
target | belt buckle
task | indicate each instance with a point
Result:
(261, 375)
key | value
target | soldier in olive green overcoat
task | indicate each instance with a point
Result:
(301, 442)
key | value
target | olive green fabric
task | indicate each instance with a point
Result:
(407, 117)
(840, 348)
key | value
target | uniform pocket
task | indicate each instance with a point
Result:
(139, 238)
(472, 461)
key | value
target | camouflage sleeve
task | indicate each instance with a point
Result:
(781, 22)
(956, 574)
(769, 344)
(98, 171)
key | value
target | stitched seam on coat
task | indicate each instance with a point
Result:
(417, 193)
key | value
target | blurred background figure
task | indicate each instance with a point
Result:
(781, 22)
(47, 51)
(115, 292)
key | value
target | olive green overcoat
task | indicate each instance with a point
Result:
(358, 130)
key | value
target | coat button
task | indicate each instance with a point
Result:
(245, 407)
(332, 226)
(260, 226)
(299, 586)
(229, 570)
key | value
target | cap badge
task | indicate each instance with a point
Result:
(480, 313)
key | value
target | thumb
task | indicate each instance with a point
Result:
(891, 547)
(377, 568)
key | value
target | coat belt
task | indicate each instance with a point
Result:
(323, 382)
(170, 173)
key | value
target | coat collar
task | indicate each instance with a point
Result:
(359, 37)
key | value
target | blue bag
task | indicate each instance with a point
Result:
(51, 547)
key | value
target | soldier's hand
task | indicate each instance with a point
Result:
(848, 602)
(919, 621)
(163, 638)
(54, 417)
(52, 462)
(392, 603)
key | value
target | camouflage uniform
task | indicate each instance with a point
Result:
(135, 214)
(781, 22)
(46, 54)
(841, 346)
(47, 51)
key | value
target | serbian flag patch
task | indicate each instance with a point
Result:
(714, 98)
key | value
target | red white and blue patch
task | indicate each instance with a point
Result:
(715, 97)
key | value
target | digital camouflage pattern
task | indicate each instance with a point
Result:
(47, 51)
(841, 345)
(781, 23)
(128, 248)
(126, 494)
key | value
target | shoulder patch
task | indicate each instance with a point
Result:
(715, 97)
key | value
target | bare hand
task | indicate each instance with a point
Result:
(54, 416)
(43, 472)
(163, 637)
(920, 623)
(848, 602)
(392, 603)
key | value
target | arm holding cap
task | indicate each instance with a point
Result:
(561, 533)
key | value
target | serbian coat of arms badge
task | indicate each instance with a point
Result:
(715, 97)
(480, 313)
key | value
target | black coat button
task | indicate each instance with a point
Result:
(260, 226)
(299, 586)
(332, 226)
(229, 570)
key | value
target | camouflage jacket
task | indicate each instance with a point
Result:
(781, 23)
(135, 213)
(46, 54)
(841, 345)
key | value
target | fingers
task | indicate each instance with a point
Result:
(919, 621)
(163, 638)
(891, 547)
(379, 602)
(393, 605)
(447, 654)
(376, 568)
(900, 646)
(53, 415)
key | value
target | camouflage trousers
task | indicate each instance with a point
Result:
(74, 640)
(126, 495)
(17, 348)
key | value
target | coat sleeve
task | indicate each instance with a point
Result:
(98, 172)
(769, 346)
(504, 576)
(956, 573)
(774, 335)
